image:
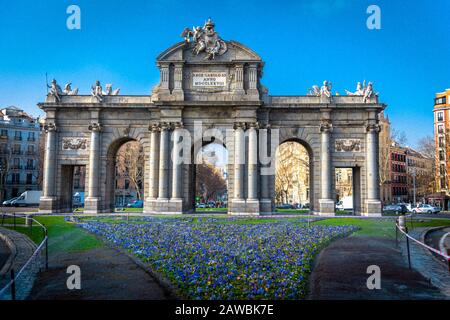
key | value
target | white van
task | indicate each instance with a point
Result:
(28, 198)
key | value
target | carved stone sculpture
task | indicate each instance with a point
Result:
(109, 91)
(68, 90)
(325, 90)
(364, 91)
(55, 90)
(205, 40)
(96, 91)
(348, 145)
(74, 144)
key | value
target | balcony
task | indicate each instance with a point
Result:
(31, 139)
(17, 152)
(18, 138)
(19, 183)
(31, 153)
(16, 167)
(4, 136)
(30, 167)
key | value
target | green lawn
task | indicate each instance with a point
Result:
(381, 227)
(211, 209)
(292, 211)
(63, 236)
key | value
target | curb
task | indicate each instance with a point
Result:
(13, 252)
(422, 239)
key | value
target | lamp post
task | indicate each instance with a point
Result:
(2, 173)
(414, 185)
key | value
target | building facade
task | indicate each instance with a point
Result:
(210, 90)
(441, 112)
(19, 152)
(420, 175)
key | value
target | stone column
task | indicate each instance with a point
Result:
(164, 153)
(252, 162)
(265, 199)
(92, 201)
(326, 203)
(239, 160)
(373, 203)
(176, 163)
(154, 162)
(49, 162)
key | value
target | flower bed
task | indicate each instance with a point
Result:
(209, 260)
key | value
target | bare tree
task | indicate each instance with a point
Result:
(399, 137)
(290, 160)
(38, 174)
(427, 146)
(130, 164)
(5, 166)
(209, 182)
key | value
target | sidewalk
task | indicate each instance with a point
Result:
(106, 274)
(340, 272)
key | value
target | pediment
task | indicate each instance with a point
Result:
(183, 52)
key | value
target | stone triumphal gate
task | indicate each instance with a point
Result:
(218, 83)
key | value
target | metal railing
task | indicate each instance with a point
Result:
(20, 283)
(403, 230)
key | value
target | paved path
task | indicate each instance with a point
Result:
(432, 267)
(340, 272)
(106, 274)
(4, 253)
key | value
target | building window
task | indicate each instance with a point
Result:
(16, 149)
(441, 155)
(127, 184)
(29, 178)
(440, 128)
(30, 136)
(15, 178)
(16, 163)
(30, 149)
(18, 135)
(4, 133)
(441, 100)
(441, 142)
(30, 164)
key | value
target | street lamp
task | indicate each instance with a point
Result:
(2, 172)
(414, 185)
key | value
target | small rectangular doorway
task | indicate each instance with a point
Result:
(348, 191)
(72, 187)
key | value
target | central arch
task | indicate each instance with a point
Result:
(112, 172)
(295, 161)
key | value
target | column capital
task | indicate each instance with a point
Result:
(95, 127)
(240, 125)
(154, 127)
(253, 125)
(50, 127)
(178, 125)
(373, 127)
(163, 126)
(326, 126)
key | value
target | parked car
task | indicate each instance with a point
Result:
(211, 204)
(7, 203)
(426, 208)
(285, 206)
(395, 208)
(28, 198)
(201, 205)
(136, 204)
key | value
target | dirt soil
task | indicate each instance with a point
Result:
(340, 272)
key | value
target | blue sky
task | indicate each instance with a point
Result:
(302, 43)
